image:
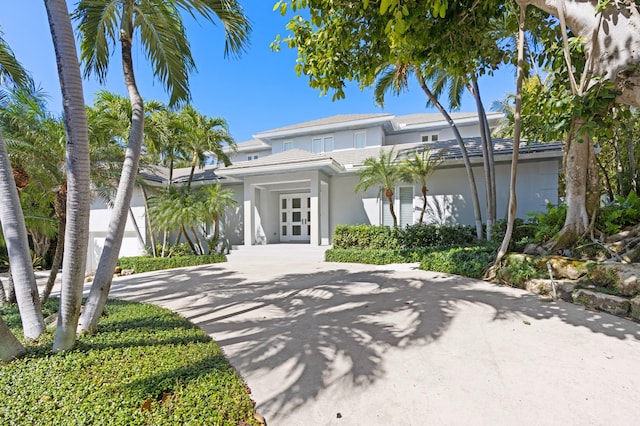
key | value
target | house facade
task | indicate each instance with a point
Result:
(296, 183)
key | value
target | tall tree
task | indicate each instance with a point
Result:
(609, 34)
(202, 135)
(159, 26)
(382, 171)
(77, 166)
(12, 218)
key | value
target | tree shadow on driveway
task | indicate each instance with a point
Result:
(313, 330)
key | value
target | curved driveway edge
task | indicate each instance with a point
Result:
(343, 344)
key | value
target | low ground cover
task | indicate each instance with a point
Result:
(146, 365)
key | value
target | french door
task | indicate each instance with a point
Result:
(295, 217)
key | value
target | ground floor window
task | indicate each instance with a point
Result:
(402, 204)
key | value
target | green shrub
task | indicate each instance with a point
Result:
(146, 365)
(421, 235)
(469, 261)
(518, 268)
(375, 256)
(141, 264)
(548, 224)
(523, 234)
(365, 237)
(613, 217)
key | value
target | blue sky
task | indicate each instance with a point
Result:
(259, 91)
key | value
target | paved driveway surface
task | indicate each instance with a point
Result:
(342, 344)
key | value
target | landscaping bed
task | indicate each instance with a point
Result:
(146, 365)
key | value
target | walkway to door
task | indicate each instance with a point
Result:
(342, 344)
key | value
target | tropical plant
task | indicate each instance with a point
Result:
(13, 225)
(161, 32)
(77, 165)
(382, 171)
(202, 135)
(215, 202)
(417, 168)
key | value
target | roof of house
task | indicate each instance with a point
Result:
(336, 119)
(159, 174)
(352, 159)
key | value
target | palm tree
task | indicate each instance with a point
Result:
(12, 219)
(215, 202)
(10, 347)
(381, 171)
(162, 34)
(396, 79)
(417, 169)
(77, 165)
(202, 134)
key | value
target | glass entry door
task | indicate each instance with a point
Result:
(295, 217)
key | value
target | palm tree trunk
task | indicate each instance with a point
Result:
(487, 154)
(3, 295)
(60, 208)
(152, 237)
(77, 163)
(463, 151)
(513, 202)
(10, 347)
(10, 289)
(104, 273)
(424, 203)
(57, 262)
(389, 195)
(137, 229)
(198, 242)
(186, 236)
(15, 235)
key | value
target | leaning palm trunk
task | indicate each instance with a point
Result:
(10, 347)
(487, 157)
(77, 164)
(513, 203)
(463, 150)
(15, 235)
(104, 273)
(60, 207)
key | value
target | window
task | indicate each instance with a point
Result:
(360, 140)
(323, 144)
(430, 138)
(287, 146)
(402, 205)
(252, 157)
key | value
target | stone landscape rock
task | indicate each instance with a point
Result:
(564, 267)
(635, 307)
(564, 288)
(614, 305)
(627, 277)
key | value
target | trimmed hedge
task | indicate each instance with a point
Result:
(141, 264)
(375, 256)
(365, 237)
(146, 365)
(469, 261)
(409, 237)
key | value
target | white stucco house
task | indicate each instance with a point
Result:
(296, 183)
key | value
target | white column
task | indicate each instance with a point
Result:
(249, 207)
(315, 209)
(324, 213)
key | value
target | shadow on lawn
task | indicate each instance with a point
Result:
(335, 324)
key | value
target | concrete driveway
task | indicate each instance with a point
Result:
(342, 344)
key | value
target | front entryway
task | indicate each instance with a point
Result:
(295, 217)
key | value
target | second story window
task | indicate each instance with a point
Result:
(323, 144)
(360, 140)
(252, 157)
(287, 146)
(430, 138)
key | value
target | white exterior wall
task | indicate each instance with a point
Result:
(233, 227)
(443, 132)
(99, 222)
(341, 139)
(242, 156)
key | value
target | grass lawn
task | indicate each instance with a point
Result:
(145, 366)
